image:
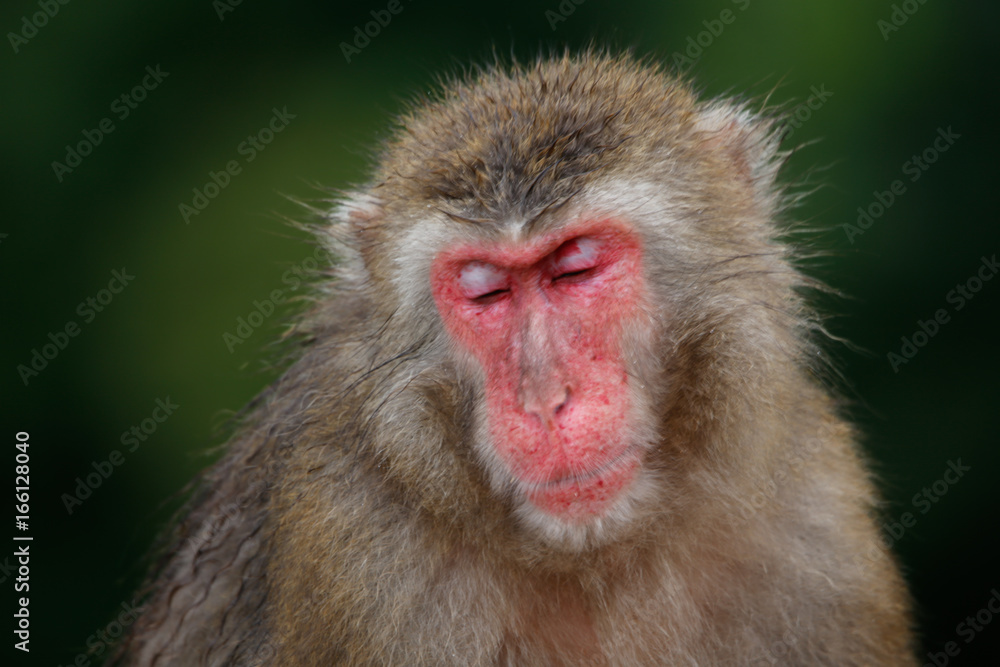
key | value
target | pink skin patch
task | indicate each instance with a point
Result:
(544, 318)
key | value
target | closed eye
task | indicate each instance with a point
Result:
(483, 283)
(572, 276)
(490, 297)
(576, 259)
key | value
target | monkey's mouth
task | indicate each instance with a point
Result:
(585, 495)
(586, 476)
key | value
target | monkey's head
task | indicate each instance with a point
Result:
(584, 251)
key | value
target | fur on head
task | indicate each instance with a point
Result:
(513, 152)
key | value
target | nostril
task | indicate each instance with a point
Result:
(546, 406)
(562, 404)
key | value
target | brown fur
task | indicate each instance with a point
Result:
(351, 523)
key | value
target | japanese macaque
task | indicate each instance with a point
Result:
(556, 404)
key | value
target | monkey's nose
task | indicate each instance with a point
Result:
(547, 405)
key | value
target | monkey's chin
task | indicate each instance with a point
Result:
(587, 508)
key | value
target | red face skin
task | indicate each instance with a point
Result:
(544, 318)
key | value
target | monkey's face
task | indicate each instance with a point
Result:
(549, 320)
(592, 243)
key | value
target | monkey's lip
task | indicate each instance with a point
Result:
(627, 455)
(587, 494)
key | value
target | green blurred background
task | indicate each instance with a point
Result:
(228, 66)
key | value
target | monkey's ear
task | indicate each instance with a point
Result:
(362, 213)
(747, 141)
(353, 232)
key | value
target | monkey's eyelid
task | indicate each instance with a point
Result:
(478, 279)
(491, 296)
(565, 275)
(577, 255)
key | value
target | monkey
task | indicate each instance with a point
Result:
(560, 400)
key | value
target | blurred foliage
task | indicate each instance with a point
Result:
(162, 335)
